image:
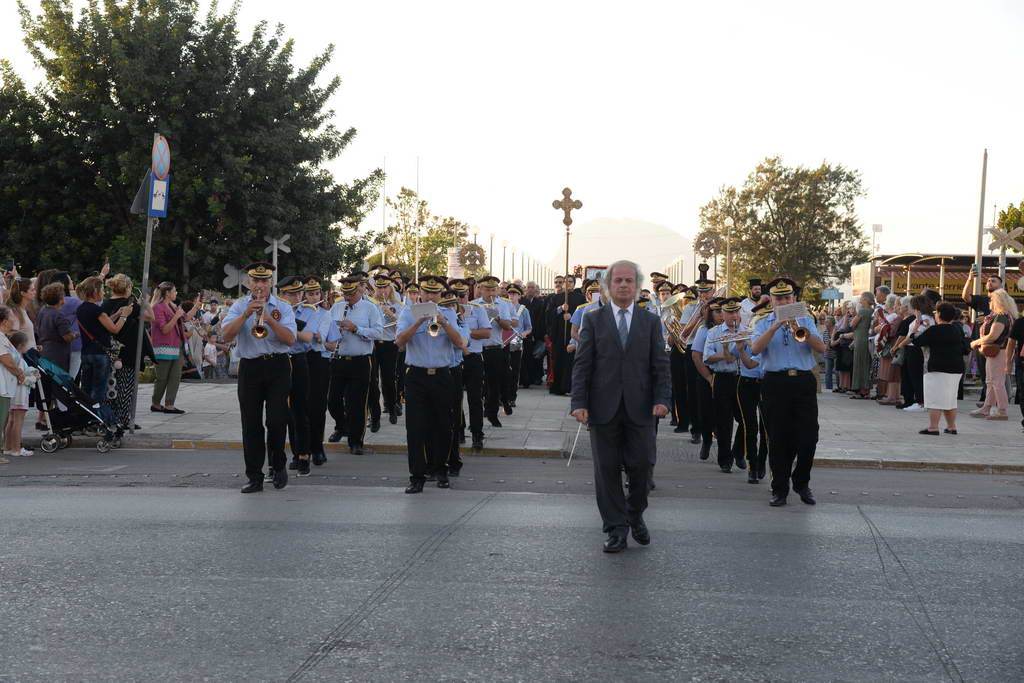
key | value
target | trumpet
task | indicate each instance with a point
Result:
(259, 329)
(434, 328)
(799, 332)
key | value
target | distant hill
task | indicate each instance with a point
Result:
(602, 241)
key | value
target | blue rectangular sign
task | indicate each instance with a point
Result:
(159, 195)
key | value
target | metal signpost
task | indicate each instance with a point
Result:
(1003, 239)
(276, 244)
(157, 185)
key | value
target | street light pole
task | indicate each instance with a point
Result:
(504, 246)
(490, 257)
(729, 222)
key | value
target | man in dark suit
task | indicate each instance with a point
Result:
(620, 384)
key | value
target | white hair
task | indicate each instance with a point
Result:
(622, 263)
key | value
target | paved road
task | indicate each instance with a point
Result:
(122, 576)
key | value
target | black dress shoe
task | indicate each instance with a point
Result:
(280, 478)
(454, 474)
(727, 469)
(680, 430)
(777, 500)
(393, 417)
(694, 437)
(705, 451)
(303, 468)
(431, 477)
(615, 543)
(478, 443)
(414, 487)
(293, 464)
(640, 533)
(493, 419)
(319, 459)
(374, 426)
(806, 496)
(398, 410)
(270, 474)
(443, 483)
(751, 476)
(335, 437)
(253, 487)
(673, 422)
(356, 450)
(741, 464)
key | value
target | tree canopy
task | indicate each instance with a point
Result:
(1011, 217)
(249, 135)
(793, 221)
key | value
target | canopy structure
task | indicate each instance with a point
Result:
(945, 273)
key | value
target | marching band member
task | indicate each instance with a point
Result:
(789, 393)
(318, 359)
(496, 369)
(356, 325)
(751, 439)
(479, 329)
(450, 300)
(515, 342)
(290, 289)
(723, 359)
(705, 400)
(595, 299)
(693, 317)
(677, 367)
(263, 327)
(429, 346)
(384, 380)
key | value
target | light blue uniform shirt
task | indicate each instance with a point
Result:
(577, 315)
(475, 318)
(390, 332)
(457, 354)
(369, 327)
(308, 316)
(522, 314)
(699, 339)
(505, 312)
(248, 346)
(713, 347)
(322, 326)
(424, 351)
(783, 352)
(755, 372)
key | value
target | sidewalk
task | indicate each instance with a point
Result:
(852, 433)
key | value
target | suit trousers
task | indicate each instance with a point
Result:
(455, 420)
(621, 444)
(724, 395)
(473, 383)
(677, 366)
(427, 420)
(495, 377)
(749, 428)
(319, 383)
(298, 406)
(264, 383)
(692, 392)
(384, 379)
(790, 405)
(350, 382)
(705, 407)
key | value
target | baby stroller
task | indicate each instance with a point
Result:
(68, 409)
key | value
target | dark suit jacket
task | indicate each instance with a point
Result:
(605, 374)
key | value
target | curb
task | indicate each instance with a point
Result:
(398, 449)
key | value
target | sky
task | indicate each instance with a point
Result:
(646, 109)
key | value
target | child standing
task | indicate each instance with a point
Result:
(210, 357)
(19, 402)
(10, 374)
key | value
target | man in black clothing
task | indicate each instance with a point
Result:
(559, 329)
(533, 368)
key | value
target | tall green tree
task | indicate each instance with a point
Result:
(794, 221)
(411, 215)
(1011, 217)
(249, 133)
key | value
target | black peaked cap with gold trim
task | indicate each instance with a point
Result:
(260, 270)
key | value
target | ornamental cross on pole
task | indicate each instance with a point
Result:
(567, 204)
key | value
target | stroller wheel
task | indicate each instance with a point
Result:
(50, 443)
(102, 446)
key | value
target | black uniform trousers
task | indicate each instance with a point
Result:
(427, 420)
(692, 392)
(384, 378)
(473, 383)
(750, 426)
(515, 362)
(264, 383)
(336, 401)
(350, 382)
(455, 420)
(400, 376)
(790, 406)
(495, 378)
(298, 406)
(724, 394)
(319, 383)
(705, 407)
(677, 366)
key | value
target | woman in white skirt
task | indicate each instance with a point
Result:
(945, 346)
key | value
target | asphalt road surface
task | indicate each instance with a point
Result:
(150, 566)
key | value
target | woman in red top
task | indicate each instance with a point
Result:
(168, 333)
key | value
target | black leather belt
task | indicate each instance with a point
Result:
(789, 373)
(268, 356)
(366, 355)
(426, 371)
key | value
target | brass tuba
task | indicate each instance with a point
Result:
(671, 313)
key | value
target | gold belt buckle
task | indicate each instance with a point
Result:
(791, 373)
(347, 357)
(431, 371)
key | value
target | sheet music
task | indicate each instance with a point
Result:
(427, 308)
(791, 311)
